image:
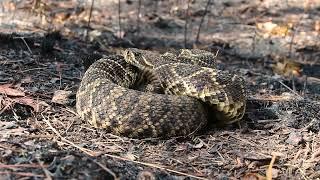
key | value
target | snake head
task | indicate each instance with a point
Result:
(137, 58)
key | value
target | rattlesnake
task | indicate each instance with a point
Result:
(143, 94)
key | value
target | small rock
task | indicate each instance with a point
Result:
(294, 138)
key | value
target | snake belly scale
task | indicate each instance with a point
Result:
(143, 94)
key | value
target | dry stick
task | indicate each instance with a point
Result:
(89, 20)
(105, 168)
(24, 41)
(293, 35)
(202, 19)
(138, 18)
(294, 92)
(156, 3)
(11, 166)
(45, 170)
(155, 166)
(254, 41)
(269, 170)
(90, 14)
(23, 174)
(87, 151)
(92, 153)
(186, 24)
(119, 13)
(303, 174)
(305, 86)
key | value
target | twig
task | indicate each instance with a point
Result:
(63, 77)
(24, 41)
(294, 92)
(92, 153)
(202, 20)
(90, 14)
(23, 174)
(45, 170)
(303, 174)
(32, 69)
(155, 166)
(138, 17)
(292, 37)
(10, 166)
(254, 42)
(186, 24)
(269, 170)
(305, 85)
(105, 168)
(119, 13)
(244, 140)
(87, 151)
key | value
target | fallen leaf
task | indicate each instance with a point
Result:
(288, 68)
(294, 138)
(253, 176)
(198, 146)
(7, 125)
(272, 29)
(7, 102)
(9, 91)
(6, 133)
(130, 156)
(146, 175)
(37, 105)
(61, 97)
(256, 156)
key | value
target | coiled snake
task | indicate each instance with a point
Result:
(143, 94)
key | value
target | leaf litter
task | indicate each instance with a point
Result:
(42, 137)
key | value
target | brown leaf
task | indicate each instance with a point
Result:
(9, 91)
(9, 102)
(36, 105)
(6, 133)
(61, 97)
(146, 175)
(253, 176)
(287, 68)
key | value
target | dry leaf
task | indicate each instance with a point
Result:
(7, 90)
(36, 105)
(288, 68)
(198, 146)
(6, 133)
(271, 29)
(253, 176)
(146, 175)
(7, 102)
(61, 97)
(130, 156)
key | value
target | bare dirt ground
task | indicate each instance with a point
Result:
(44, 47)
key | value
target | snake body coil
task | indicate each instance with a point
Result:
(145, 94)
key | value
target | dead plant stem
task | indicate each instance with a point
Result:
(186, 24)
(202, 20)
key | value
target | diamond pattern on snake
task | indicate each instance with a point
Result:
(142, 94)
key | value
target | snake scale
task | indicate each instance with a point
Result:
(143, 94)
